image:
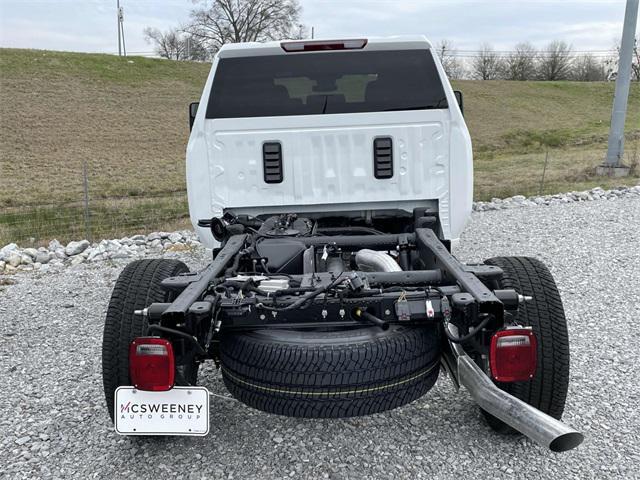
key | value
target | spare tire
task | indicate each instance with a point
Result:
(330, 374)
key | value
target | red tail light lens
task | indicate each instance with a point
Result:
(151, 364)
(319, 45)
(512, 356)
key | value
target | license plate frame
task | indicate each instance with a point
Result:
(181, 411)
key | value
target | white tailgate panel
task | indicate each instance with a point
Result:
(328, 165)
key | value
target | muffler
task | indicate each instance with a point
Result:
(538, 426)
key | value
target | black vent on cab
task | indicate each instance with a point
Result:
(383, 157)
(272, 162)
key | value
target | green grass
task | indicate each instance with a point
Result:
(505, 117)
(95, 67)
(126, 118)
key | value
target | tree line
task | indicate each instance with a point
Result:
(213, 23)
(556, 61)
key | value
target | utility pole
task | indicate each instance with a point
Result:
(613, 165)
(312, 32)
(118, 17)
(121, 45)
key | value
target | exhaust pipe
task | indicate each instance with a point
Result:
(374, 261)
(538, 426)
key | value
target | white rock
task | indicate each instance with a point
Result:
(113, 245)
(175, 237)
(155, 243)
(137, 237)
(32, 252)
(77, 260)
(59, 253)
(4, 251)
(95, 254)
(2, 264)
(9, 247)
(153, 236)
(13, 258)
(54, 245)
(8, 269)
(74, 248)
(26, 259)
(584, 196)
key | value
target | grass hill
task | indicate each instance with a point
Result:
(126, 118)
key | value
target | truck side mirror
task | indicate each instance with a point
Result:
(460, 100)
(193, 109)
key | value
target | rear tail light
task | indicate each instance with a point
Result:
(319, 45)
(512, 356)
(151, 364)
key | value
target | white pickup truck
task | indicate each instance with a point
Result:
(330, 178)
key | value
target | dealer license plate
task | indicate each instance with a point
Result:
(179, 411)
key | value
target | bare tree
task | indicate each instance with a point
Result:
(635, 63)
(216, 22)
(487, 65)
(555, 62)
(451, 64)
(521, 63)
(175, 45)
(611, 63)
(587, 68)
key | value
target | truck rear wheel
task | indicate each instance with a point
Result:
(547, 390)
(137, 287)
(330, 374)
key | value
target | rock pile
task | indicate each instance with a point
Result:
(584, 196)
(56, 255)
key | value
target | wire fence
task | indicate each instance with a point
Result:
(88, 212)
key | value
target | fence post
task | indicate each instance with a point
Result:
(544, 171)
(87, 214)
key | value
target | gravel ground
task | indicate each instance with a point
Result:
(54, 422)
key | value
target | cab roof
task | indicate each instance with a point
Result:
(251, 49)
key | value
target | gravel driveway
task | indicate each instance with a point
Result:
(53, 421)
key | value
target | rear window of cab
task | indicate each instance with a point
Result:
(325, 83)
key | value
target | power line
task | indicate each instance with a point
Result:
(611, 50)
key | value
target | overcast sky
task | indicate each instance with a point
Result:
(90, 25)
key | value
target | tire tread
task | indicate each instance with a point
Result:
(138, 286)
(547, 391)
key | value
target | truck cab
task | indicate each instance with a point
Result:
(367, 128)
